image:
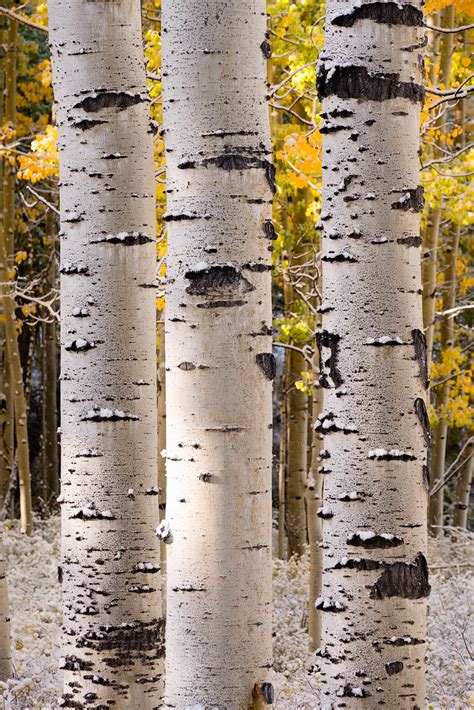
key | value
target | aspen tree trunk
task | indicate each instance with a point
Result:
(298, 419)
(50, 394)
(5, 640)
(282, 465)
(162, 440)
(51, 384)
(113, 628)
(8, 205)
(314, 494)
(43, 457)
(314, 497)
(463, 491)
(18, 393)
(430, 247)
(297, 455)
(13, 381)
(5, 470)
(372, 360)
(16, 406)
(429, 272)
(218, 354)
(440, 438)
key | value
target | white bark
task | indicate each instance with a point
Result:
(373, 364)
(112, 641)
(218, 353)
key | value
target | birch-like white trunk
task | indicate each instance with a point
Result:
(373, 361)
(113, 630)
(218, 354)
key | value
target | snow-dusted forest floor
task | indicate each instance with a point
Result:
(36, 612)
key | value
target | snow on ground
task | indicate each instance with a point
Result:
(451, 629)
(35, 609)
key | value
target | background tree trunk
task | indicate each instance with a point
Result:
(162, 441)
(218, 353)
(113, 630)
(314, 501)
(18, 392)
(51, 371)
(373, 360)
(429, 264)
(297, 454)
(440, 439)
(16, 427)
(463, 491)
(282, 463)
(5, 467)
(5, 640)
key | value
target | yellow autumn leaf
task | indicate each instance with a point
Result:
(21, 256)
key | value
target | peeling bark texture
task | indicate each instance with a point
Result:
(374, 530)
(218, 318)
(113, 645)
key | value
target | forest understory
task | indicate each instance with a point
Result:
(36, 616)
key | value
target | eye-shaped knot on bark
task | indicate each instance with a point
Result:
(220, 281)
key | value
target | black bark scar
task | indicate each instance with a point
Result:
(409, 581)
(109, 99)
(269, 230)
(267, 363)
(219, 280)
(410, 241)
(86, 124)
(374, 542)
(130, 240)
(388, 13)
(355, 82)
(266, 49)
(331, 341)
(412, 199)
(394, 667)
(419, 343)
(422, 414)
